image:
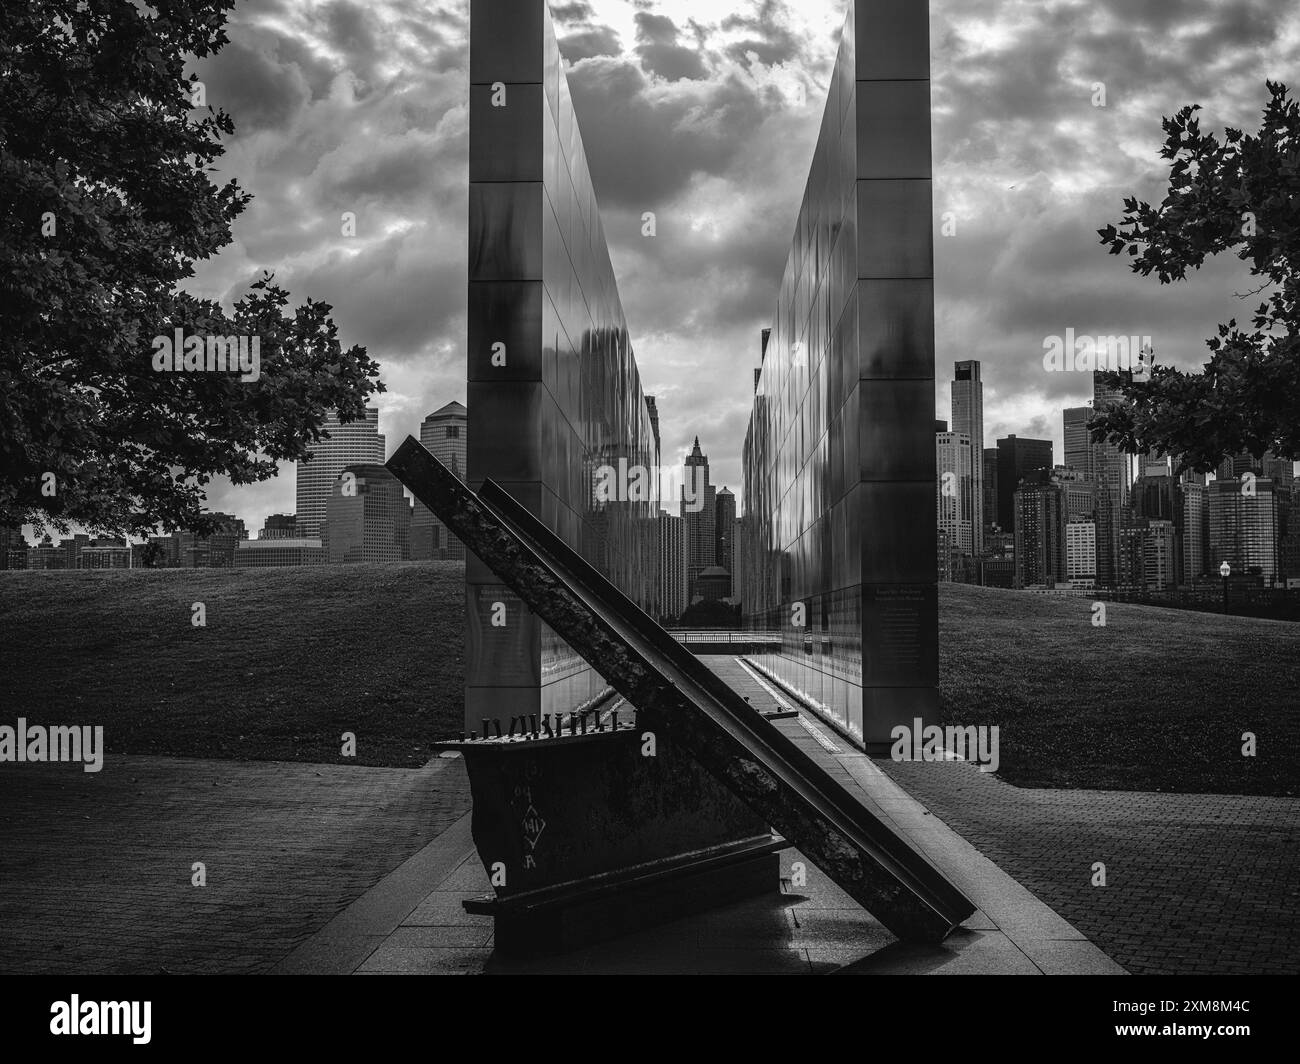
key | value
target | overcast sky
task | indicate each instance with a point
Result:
(693, 109)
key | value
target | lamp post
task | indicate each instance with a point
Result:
(1225, 570)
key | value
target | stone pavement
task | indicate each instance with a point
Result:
(95, 868)
(1195, 883)
(413, 922)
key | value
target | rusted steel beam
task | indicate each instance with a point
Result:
(673, 691)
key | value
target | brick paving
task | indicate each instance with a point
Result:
(95, 868)
(1196, 883)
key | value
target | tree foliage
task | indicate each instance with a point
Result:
(106, 203)
(1242, 193)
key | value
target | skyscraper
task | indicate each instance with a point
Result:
(653, 406)
(351, 444)
(1017, 458)
(1040, 521)
(1196, 529)
(1243, 527)
(955, 490)
(968, 418)
(445, 433)
(724, 528)
(368, 518)
(672, 565)
(701, 519)
(1113, 469)
(1078, 447)
(989, 489)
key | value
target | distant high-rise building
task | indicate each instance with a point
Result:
(1154, 465)
(1081, 553)
(1113, 470)
(724, 528)
(653, 407)
(989, 492)
(444, 434)
(279, 526)
(47, 555)
(672, 567)
(700, 516)
(357, 442)
(1147, 555)
(1195, 529)
(1243, 528)
(13, 548)
(275, 550)
(955, 489)
(1040, 522)
(1078, 446)
(367, 518)
(1017, 458)
(968, 418)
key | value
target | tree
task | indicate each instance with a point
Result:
(1240, 193)
(105, 205)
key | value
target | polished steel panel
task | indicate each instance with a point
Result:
(517, 123)
(895, 235)
(896, 329)
(510, 313)
(893, 129)
(505, 231)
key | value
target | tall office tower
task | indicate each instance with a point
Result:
(1159, 497)
(1081, 553)
(367, 518)
(1195, 529)
(968, 418)
(1235, 466)
(724, 528)
(279, 526)
(1039, 503)
(672, 548)
(1147, 555)
(351, 444)
(1281, 471)
(955, 490)
(1243, 528)
(1080, 493)
(989, 492)
(1114, 475)
(1018, 458)
(653, 406)
(445, 433)
(839, 459)
(1154, 465)
(699, 508)
(553, 389)
(1078, 447)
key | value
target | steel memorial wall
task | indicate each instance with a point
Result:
(554, 394)
(839, 527)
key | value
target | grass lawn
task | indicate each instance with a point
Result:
(290, 659)
(1158, 699)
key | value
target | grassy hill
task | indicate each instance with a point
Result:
(289, 660)
(1158, 699)
(292, 658)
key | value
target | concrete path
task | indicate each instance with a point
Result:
(807, 926)
(96, 869)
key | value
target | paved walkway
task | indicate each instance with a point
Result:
(1196, 883)
(413, 922)
(95, 868)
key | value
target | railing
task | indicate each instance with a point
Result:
(729, 637)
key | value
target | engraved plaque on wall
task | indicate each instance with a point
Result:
(900, 634)
(503, 639)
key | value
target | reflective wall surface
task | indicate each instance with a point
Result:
(839, 455)
(553, 394)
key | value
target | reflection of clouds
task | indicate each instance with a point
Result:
(688, 110)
